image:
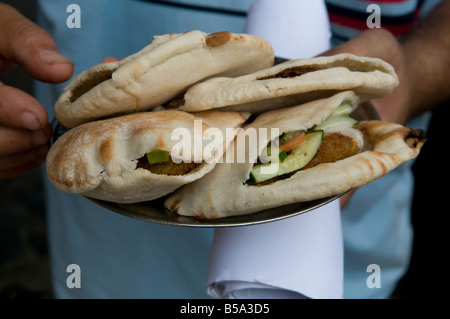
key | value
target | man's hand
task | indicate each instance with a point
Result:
(380, 43)
(421, 60)
(24, 127)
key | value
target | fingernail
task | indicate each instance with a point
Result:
(53, 57)
(39, 138)
(30, 121)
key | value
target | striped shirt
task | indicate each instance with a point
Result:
(348, 18)
(237, 8)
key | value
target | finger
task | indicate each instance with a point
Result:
(31, 157)
(10, 173)
(14, 141)
(24, 43)
(20, 110)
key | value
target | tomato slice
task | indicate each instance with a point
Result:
(296, 141)
(110, 59)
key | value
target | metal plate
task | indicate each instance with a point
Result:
(155, 212)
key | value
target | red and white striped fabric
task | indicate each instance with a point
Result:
(347, 18)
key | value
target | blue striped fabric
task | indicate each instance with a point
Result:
(229, 7)
(348, 18)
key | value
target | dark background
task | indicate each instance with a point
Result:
(24, 267)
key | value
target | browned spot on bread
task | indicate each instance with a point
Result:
(68, 182)
(106, 151)
(217, 39)
(415, 138)
(175, 204)
(383, 166)
(368, 164)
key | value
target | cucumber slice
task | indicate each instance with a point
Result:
(298, 159)
(343, 109)
(157, 156)
(266, 157)
(282, 156)
(335, 121)
(286, 137)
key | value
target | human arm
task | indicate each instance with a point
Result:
(421, 59)
(422, 62)
(24, 127)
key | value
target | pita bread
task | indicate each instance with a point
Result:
(158, 73)
(99, 159)
(292, 83)
(224, 192)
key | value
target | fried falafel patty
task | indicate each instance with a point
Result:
(168, 167)
(334, 147)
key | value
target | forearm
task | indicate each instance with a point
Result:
(426, 51)
(421, 60)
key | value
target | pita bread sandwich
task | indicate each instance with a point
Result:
(320, 151)
(292, 83)
(140, 156)
(158, 73)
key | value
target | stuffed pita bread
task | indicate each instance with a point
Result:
(138, 157)
(340, 154)
(292, 83)
(159, 72)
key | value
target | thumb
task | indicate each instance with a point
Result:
(24, 43)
